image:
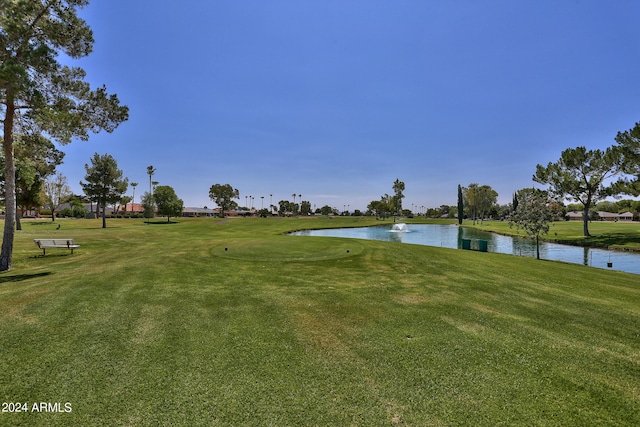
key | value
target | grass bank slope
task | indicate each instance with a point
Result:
(613, 235)
(231, 323)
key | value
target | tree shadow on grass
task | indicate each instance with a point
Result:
(613, 239)
(21, 277)
(52, 254)
(161, 222)
(606, 240)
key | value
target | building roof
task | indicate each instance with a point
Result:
(203, 211)
(603, 214)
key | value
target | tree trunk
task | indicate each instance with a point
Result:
(104, 217)
(537, 247)
(10, 187)
(585, 221)
(460, 205)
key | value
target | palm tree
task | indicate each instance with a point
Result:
(150, 171)
(133, 199)
(294, 198)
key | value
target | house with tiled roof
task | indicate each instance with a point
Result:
(601, 216)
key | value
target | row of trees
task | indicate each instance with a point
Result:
(479, 200)
(580, 175)
(43, 101)
(40, 99)
(389, 205)
(224, 195)
(105, 184)
(589, 176)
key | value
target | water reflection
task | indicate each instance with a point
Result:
(451, 236)
(585, 256)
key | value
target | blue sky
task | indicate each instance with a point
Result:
(335, 99)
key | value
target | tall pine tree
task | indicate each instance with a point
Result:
(40, 96)
(105, 184)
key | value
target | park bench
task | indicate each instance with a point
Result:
(45, 244)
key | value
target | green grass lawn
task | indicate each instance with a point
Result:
(232, 323)
(614, 235)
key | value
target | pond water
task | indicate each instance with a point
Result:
(451, 236)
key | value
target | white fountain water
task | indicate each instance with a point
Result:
(399, 227)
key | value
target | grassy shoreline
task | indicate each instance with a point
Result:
(230, 322)
(624, 236)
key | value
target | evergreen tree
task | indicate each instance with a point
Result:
(105, 184)
(581, 175)
(40, 96)
(629, 141)
(148, 205)
(460, 205)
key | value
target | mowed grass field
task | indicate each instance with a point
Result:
(232, 323)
